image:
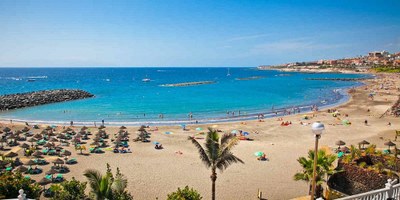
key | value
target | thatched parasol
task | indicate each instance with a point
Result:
(2, 140)
(364, 142)
(66, 153)
(69, 129)
(21, 168)
(122, 127)
(32, 140)
(18, 132)
(25, 146)
(95, 144)
(37, 154)
(10, 155)
(340, 143)
(48, 128)
(390, 144)
(54, 140)
(58, 148)
(58, 161)
(102, 126)
(49, 145)
(6, 129)
(30, 162)
(84, 128)
(44, 181)
(38, 136)
(25, 129)
(51, 171)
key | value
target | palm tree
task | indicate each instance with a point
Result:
(217, 153)
(107, 186)
(324, 168)
(100, 184)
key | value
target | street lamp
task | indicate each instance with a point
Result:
(317, 129)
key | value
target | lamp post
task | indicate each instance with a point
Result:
(317, 129)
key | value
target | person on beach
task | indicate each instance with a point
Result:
(366, 122)
(102, 122)
(71, 123)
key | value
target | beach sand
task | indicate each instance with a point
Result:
(154, 173)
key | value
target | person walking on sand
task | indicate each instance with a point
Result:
(366, 122)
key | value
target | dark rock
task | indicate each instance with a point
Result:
(21, 100)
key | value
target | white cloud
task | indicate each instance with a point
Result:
(293, 46)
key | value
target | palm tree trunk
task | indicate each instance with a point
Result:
(213, 179)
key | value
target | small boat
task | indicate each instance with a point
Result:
(146, 80)
(31, 80)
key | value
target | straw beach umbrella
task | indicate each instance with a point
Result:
(30, 163)
(122, 127)
(10, 155)
(51, 171)
(25, 129)
(21, 168)
(364, 142)
(6, 129)
(32, 140)
(390, 144)
(66, 153)
(37, 154)
(58, 161)
(25, 146)
(44, 182)
(340, 143)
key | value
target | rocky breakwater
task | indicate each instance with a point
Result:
(22, 100)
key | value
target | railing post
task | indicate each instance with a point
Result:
(21, 195)
(389, 187)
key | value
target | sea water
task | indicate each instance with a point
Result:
(122, 97)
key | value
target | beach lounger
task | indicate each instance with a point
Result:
(71, 161)
(59, 178)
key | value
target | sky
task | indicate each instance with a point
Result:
(175, 33)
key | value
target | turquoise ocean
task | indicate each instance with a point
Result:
(122, 97)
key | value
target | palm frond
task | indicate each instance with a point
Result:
(94, 178)
(202, 152)
(227, 159)
(119, 184)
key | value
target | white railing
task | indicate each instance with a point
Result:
(389, 192)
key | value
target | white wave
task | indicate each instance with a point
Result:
(37, 77)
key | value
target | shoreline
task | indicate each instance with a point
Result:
(304, 108)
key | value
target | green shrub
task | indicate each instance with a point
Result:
(69, 190)
(11, 183)
(185, 194)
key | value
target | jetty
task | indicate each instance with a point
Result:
(29, 99)
(249, 78)
(337, 79)
(188, 84)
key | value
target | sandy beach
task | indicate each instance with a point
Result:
(154, 173)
